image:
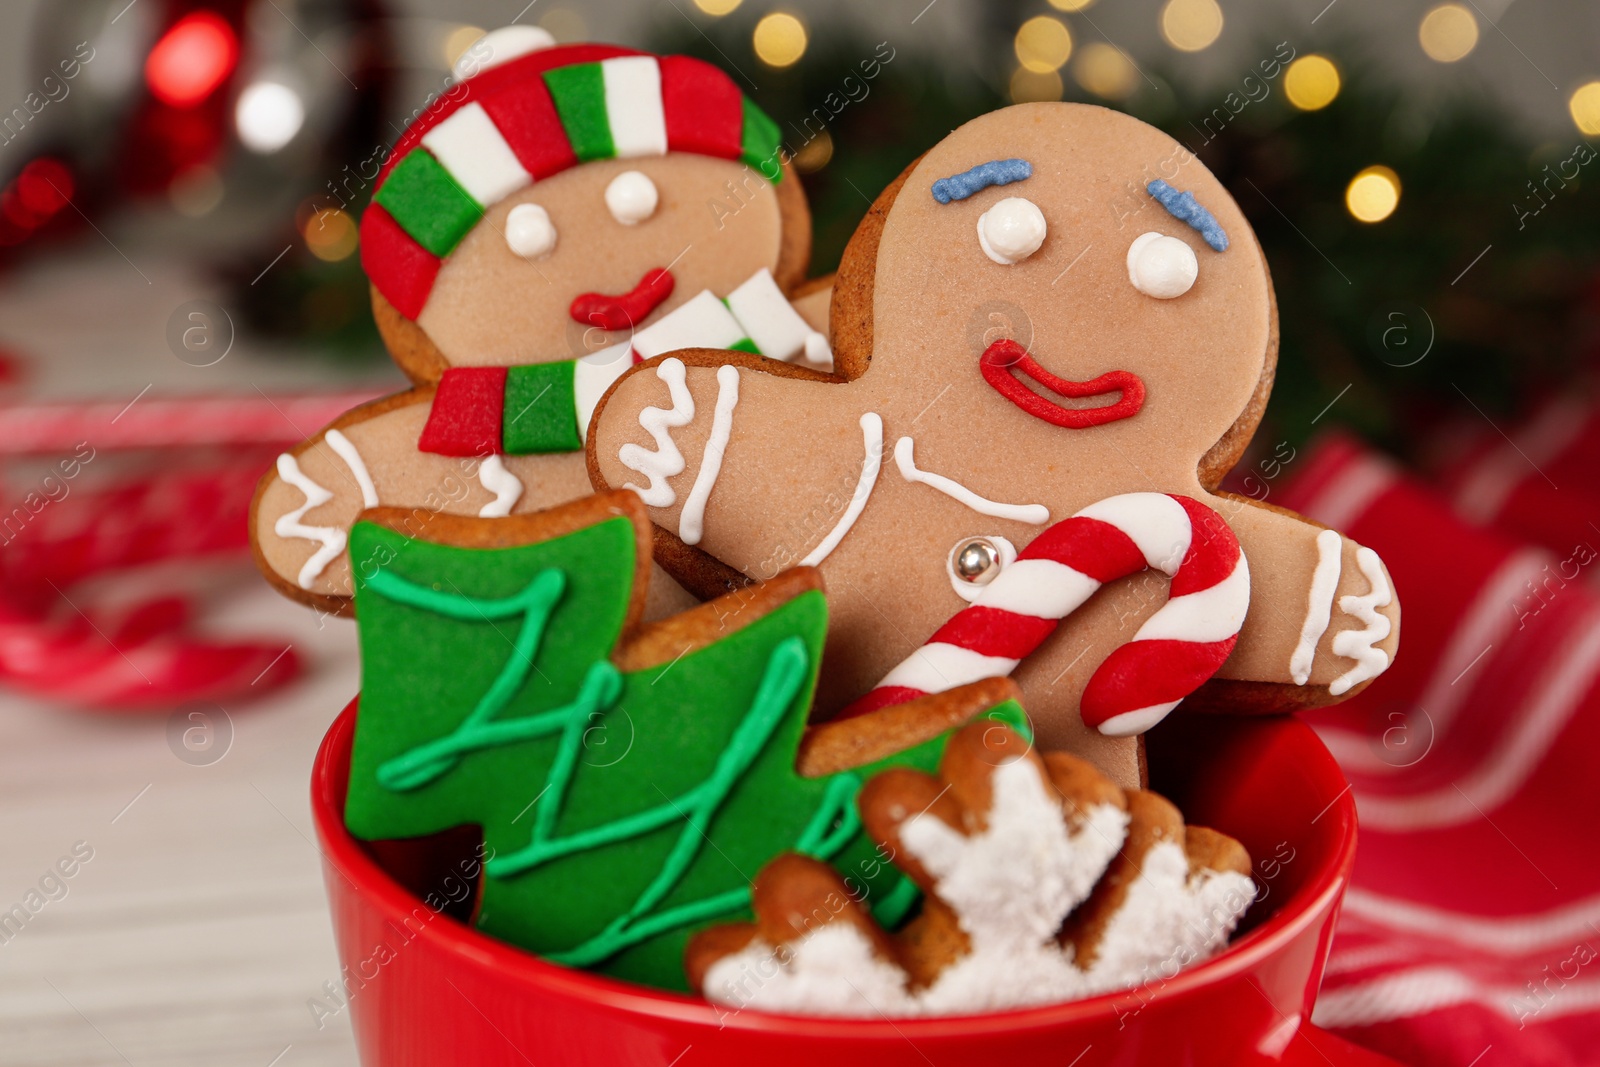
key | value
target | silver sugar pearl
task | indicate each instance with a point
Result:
(977, 561)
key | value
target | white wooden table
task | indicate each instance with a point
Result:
(198, 931)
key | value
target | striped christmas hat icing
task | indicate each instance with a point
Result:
(522, 121)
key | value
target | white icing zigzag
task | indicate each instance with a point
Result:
(289, 525)
(666, 460)
(1359, 645)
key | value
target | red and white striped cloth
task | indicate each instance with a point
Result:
(1472, 932)
(1540, 481)
(1176, 649)
(59, 643)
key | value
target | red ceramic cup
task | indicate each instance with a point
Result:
(428, 990)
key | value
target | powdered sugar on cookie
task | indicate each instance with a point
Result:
(1170, 918)
(1011, 886)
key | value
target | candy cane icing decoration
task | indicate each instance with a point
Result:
(1176, 649)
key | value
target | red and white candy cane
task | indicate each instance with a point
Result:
(1176, 649)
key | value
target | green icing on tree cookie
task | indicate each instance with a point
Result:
(622, 811)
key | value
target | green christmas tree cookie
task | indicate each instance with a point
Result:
(628, 779)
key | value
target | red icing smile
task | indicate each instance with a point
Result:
(1001, 359)
(623, 312)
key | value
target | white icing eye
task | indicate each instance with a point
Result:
(529, 231)
(1011, 230)
(974, 562)
(1161, 266)
(632, 197)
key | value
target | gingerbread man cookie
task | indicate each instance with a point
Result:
(1058, 334)
(1042, 882)
(554, 218)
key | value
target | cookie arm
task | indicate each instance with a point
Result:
(1324, 616)
(310, 497)
(758, 464)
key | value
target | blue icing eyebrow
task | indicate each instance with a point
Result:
(994, 172)
(1185, 208)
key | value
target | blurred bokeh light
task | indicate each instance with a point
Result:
(1373, 194)
(1448, 32)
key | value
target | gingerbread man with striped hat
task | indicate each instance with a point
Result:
(1055, 333)
(556, 216)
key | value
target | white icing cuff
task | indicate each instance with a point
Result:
(1319, 605)
(691, 523)
(358, 468)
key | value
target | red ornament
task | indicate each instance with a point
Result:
(192, 59)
